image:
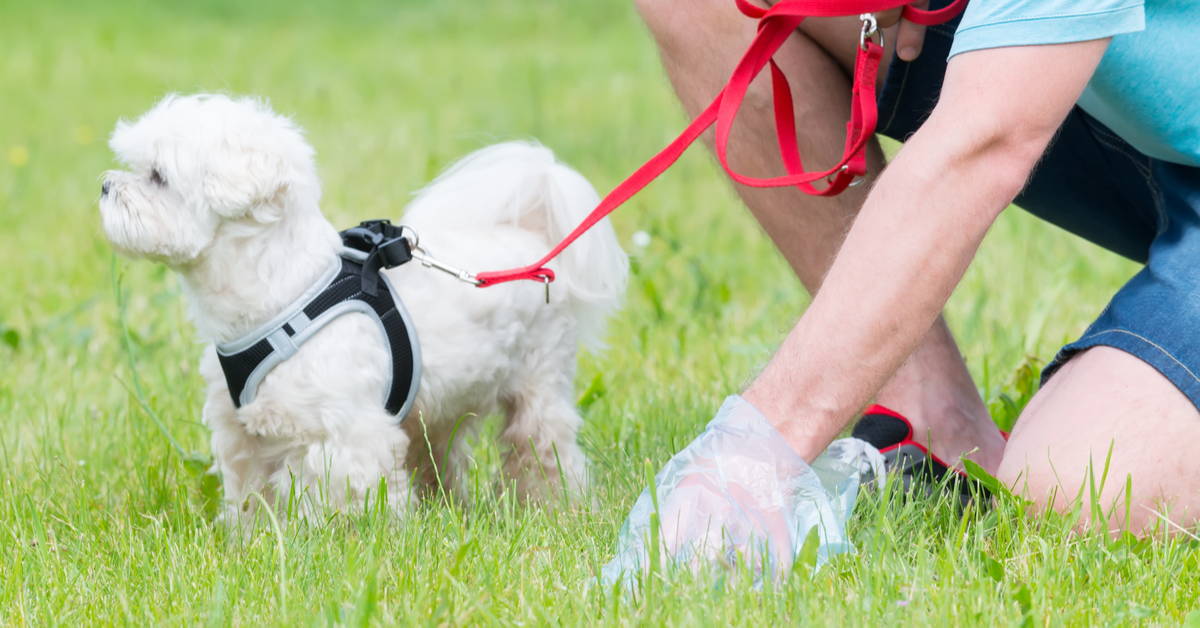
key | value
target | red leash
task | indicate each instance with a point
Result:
(775, 25)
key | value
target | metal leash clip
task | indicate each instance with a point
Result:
(859, 180)
(428, 261)
(870, 28)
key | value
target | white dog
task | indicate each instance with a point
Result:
(225, 192)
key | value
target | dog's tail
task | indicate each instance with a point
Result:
(521, 183)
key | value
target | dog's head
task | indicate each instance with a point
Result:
(198, 163)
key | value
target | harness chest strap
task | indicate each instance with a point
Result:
(774, 27)
(342, 289)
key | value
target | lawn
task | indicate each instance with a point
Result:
(103, 520)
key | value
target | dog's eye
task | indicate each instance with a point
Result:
(156, 177)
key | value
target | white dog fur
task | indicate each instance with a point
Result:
(225, 192)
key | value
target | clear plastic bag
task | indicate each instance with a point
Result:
(739, 493)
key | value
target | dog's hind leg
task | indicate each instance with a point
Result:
(542, 427)
(438, 456)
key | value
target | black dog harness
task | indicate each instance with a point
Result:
(351, 284)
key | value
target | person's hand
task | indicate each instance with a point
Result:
(909, 36)
(738, 492)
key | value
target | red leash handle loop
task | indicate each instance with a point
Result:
(774, 27)
(933, 18)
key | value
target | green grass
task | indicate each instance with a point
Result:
(102, 522)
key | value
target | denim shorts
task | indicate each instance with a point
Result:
(1093, 184)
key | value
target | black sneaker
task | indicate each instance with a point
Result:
(917, 468)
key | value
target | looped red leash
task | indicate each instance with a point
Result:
(775, 25)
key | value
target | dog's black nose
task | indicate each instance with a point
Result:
(104, 188)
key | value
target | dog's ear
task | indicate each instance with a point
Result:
(242, 182)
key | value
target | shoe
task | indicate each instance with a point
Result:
(904, 458)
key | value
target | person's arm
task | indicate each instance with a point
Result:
(917, 233)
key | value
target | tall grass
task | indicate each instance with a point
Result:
(102, 520)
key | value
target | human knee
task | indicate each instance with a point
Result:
(1031, 480)
(1027, 468)
(1101, 494)
(1055, 472)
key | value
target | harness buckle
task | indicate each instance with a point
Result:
(380, 238)
(394, 252)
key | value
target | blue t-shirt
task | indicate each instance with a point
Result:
(1147, 87)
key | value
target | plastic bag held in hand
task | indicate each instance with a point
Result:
(738, 492)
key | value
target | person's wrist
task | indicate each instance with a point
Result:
(800, 425)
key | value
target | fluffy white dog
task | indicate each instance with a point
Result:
(225, 192)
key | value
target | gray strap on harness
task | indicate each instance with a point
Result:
(339, 290)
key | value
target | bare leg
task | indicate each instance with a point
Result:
(700, 42)
(1106, 398)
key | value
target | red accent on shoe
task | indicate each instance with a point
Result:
(908, 440)
(878, 409)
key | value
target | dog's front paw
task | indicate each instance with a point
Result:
(267, 417)
(236, 519)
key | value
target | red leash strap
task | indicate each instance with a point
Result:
(634, 184)
(933, 18)
(775, 26)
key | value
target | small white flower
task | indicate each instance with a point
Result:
(641, 239)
